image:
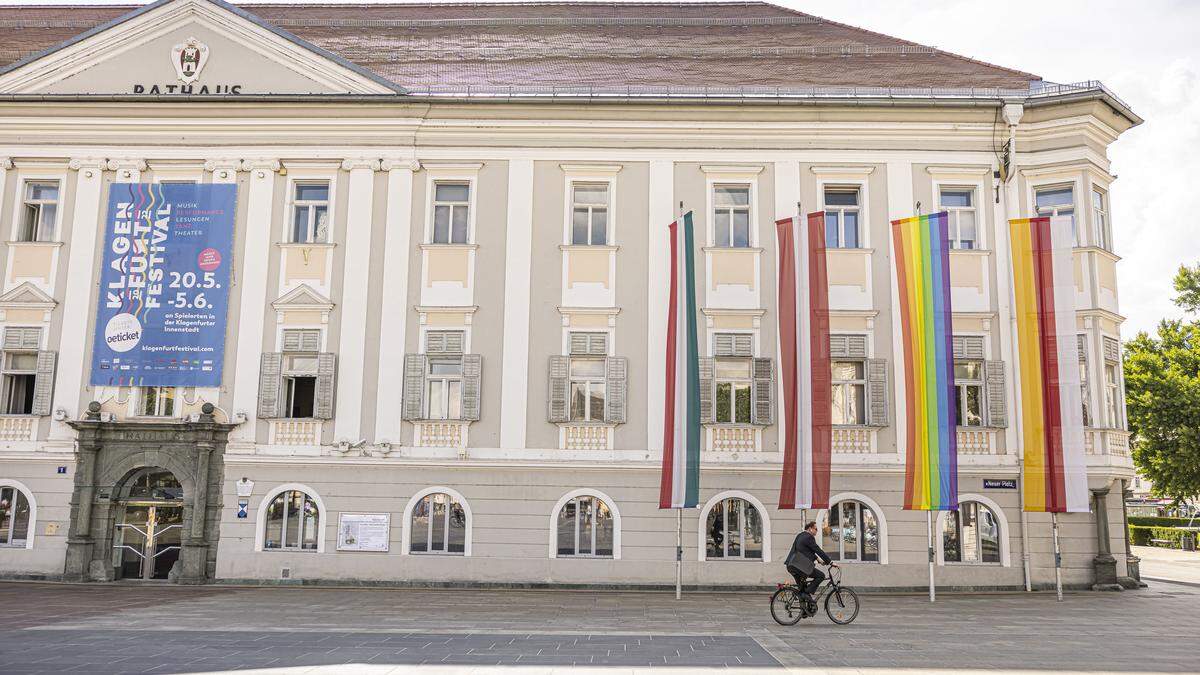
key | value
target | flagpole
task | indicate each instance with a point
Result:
(679, 511)
(1057, 557)
(929, 521)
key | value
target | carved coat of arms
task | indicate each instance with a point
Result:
(189, 59)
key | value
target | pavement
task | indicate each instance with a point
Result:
(153, 628)
(1169, 564)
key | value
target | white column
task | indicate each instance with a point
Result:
(658, 279)
(347, 418)
(900, 205)
(252, 278)
(77, 298)
(394, 313)
(518, 252)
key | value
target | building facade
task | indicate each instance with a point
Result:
(444, 346)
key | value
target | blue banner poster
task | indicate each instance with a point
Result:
(164, 287)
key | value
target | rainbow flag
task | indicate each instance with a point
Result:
(922, 255)
(1047, 364)
(807, 418)
(680, 486)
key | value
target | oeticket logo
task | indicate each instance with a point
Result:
(123, 332)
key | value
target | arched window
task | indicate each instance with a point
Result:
(16, 517)
(585, 528)
(438, 525)
(971, 534)
(293, 522)
(853, 532)
(733, 531)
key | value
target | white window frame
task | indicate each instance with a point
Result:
(406, 530)
(260, 519)
(430, 379)
(29, 497)
(1058, 182)
(309, 172)
(734, 386)
(749, 209)
(849, 385)
(746, 175)
(595, 174)
(1114, 416)
(1102, 218)
(176, 403)
(976, 190)
(5, 372)
(589, 382)
(451, 173)
(981, 383)
(880, 520)
(309, 204)
(864, 229)
(23, 178)
(764, 517)
(1001, 520)
(612, 509)
(288, 375)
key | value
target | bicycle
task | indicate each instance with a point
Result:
(788, 605)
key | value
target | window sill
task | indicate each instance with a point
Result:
(424, 420)
(841, 563)
(34, 244)
(302, 244)
(587, 424)
(734, 425)
(448, 247)
(840, 249)
(982, 252)
(588, 247)
(288, 550)
(732, 560)
(955, 563)
(746, 249)
(864, 427)
(577, 556)
(13, 416)
(438, 553)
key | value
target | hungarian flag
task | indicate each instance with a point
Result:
(804, 343)
(680, 487)
(1047, 363)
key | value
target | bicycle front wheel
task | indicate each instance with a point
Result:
(841, 604)
(787, 607)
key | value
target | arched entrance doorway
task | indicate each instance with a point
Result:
(148, 525)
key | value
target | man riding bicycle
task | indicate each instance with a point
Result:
(801, 560)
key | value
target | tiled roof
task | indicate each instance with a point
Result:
(603, 45)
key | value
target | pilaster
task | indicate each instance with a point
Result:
(518, 252)
(394, 311)
(658, 284)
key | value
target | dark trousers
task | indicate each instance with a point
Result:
(813, 580)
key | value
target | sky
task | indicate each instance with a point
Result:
(1148, 53)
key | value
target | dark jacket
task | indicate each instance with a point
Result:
(805, 551)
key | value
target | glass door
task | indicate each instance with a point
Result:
(146, 540)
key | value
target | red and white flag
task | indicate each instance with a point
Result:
(807, 409)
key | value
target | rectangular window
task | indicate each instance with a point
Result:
(20, 374)
(299, 385)
(587, 390)
(444, 389)
(589, 214)
(959, 204)
(849, 392)
(733, 382)
(1058, 201)
(1100, 216)
(1084, 394)
(451, 211)
(310, 213)
(842, 211)
(39, 213)
(156, 401)
(1112, 405)
(968, 393)
(14, 517)
(731, 216)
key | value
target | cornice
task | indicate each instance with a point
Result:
(360, 163)
(129, 163)
(399, 163)
(849, 170)
(223, 164)
(5, 163)
(260, 164)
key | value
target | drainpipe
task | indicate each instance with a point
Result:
(1012, 115)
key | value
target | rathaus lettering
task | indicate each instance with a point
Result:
(186, 89)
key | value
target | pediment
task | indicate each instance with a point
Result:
(26, 296)
(303, 297)
(181, 48)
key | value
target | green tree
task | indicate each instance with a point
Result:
(1162, 391)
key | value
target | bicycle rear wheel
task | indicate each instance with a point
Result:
(787, 607)
(841, 604)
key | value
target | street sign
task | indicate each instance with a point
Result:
(999, 484)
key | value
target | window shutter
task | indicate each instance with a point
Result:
(723, 344)
(1112, 350)
(616, 374)
(414, 387)
(16, 337)
(733, 344)
(1081, 345)
(839, 346)
(43, 387)
(968, 347)
(877, 392)
(743, 345)
(296, 340)
(763, 392)
(326, 383)
(444, 342)
(589, 344)
(472, 374)
(560, 368)
(270, 381)
(997, 406)
(856, 346)
(708, 393)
